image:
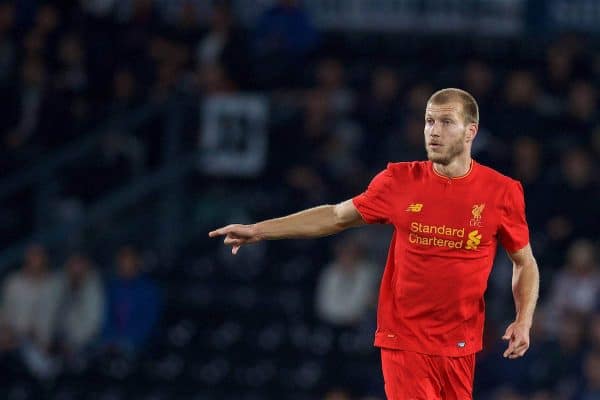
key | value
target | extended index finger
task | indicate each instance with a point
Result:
(219, 232)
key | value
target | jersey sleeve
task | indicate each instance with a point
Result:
(513, 232)
(375, 203)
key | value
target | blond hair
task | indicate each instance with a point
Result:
(470, 109)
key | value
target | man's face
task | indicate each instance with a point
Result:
(445, 132)
(128, 263)
(77, 267)
(36, 260)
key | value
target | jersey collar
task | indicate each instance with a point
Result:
(456, 179)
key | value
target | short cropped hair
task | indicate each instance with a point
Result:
(470, 107)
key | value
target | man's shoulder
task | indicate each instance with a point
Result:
(408, 168)
(493, 176)
(16, 278)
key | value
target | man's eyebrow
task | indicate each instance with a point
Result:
(446, 115)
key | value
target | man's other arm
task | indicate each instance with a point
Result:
(525, 288)
(311, 223)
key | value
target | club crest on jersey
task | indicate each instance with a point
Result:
(477, 210)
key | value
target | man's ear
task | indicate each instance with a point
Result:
(472, 130)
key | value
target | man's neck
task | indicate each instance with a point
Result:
(460, 166)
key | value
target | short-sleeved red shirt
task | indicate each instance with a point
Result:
(441, 253)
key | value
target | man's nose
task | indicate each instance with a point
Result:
(435, 129)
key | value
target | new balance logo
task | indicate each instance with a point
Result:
(415, 207)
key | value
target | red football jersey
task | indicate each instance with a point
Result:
(441, 253)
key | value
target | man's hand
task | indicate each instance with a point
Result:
(312, 223)
(517, 335)
(236, 235)
(525, 288)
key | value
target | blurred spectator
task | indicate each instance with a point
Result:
(337, 394)
(380, 104)
(328, 108)
(28, 301)
(559, 69)
(543, 395)
(213, 80)
(576, 166)
(141, 13)
(35, 44)
(319, 119)
(132, 305)
(284, 36)
(80, 305)
(8, 56)
(378, 110)
(314, 131)
(404, 143)
(72, 76)
(594, 329)
(126, 93)
(47, 19)
(187, 17)
(224, 45)
(591, 375)
(347, 286)
(340, 156)
(527, 167)
(168, 58)
(185, 14)
(520, 103)
(98, 8)
(594, 142)
(576, 185)
(582, 110)
(527, 161)
(166, 80)
(576, 287)
(331, 84)
(416, 98)
(564, 361)
(69, 107)
(30, 104)
(479, 80)
(580, 116)
(507, 393)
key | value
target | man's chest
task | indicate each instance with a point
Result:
(447, 216)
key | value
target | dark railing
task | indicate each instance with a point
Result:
(39, 176)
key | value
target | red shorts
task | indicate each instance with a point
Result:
(415, 376)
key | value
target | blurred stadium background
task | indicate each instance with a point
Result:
(130, 128)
